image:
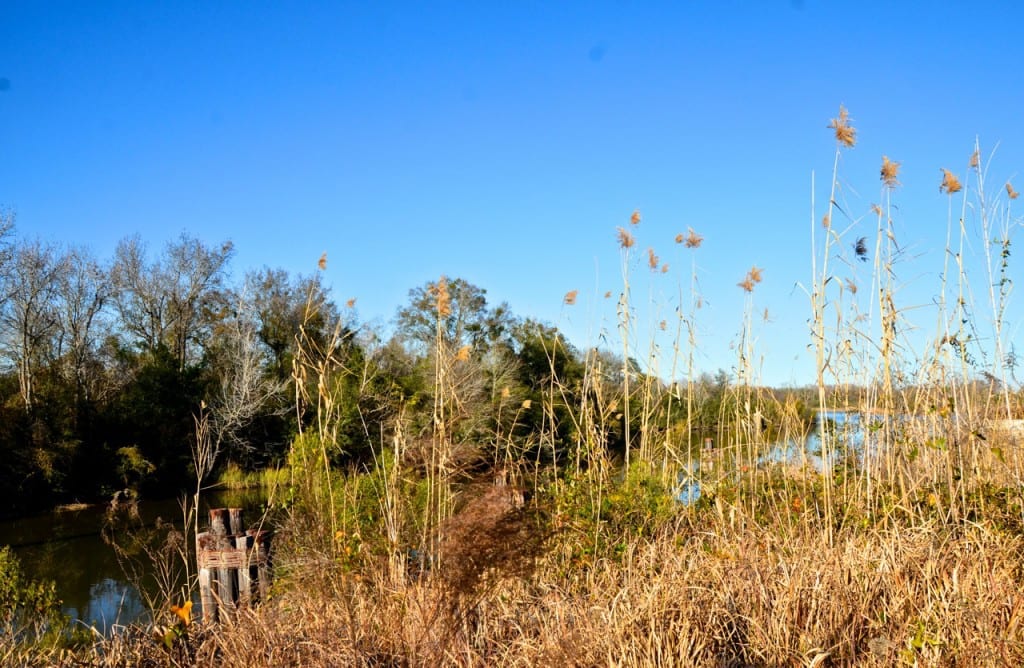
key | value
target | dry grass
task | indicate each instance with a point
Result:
(902, 548)
(714, 590)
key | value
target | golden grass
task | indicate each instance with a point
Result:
(716, 589)
(905, 553)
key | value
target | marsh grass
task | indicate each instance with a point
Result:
(899, 543)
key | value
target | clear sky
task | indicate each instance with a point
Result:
(505, 142)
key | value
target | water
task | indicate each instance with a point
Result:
(850, 429)
(66, 546)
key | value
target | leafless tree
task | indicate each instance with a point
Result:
(174, 300)
(29, 320)
(83, 293)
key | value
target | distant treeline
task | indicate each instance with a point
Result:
(106, 367)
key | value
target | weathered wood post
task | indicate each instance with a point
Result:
(228, 561)
(261, 540)
(219, 522)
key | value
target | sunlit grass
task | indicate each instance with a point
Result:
(899, 542)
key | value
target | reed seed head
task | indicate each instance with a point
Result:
(652, 259)
(975, 160)
(570, 297)
(626, 239)
(877, 210)
(463, 354)
(950, 184)
(442, 300)
(692, 239)
(1011, 193)
(322, 262)
(664, 268)
(889, 171)
(608, 294)
(663, 325)
(826, 221)
(752, 278)
(351, 302)
(846, 134)
(635, 218)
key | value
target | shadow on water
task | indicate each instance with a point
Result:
(66, 546)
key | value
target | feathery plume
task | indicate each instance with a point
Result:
(570, 297)
(692, 239)
(635, 218)
(1013, 194)
(625, 238)
(889, 171)
(652, 259)
(752, 278)
(846, 134)
(950, 184)
(322, 262)
(442, 300)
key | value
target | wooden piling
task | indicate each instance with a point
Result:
(231, 563)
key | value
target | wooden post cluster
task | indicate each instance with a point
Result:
(234, 564)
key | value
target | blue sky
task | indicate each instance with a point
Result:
(505, 142)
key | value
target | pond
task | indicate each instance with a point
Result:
(67, 546)
(847, 427)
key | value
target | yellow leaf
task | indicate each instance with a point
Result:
(183, 612)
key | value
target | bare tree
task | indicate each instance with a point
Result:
(245, 389)
(29, 318)
(83, 292)
(173, 301)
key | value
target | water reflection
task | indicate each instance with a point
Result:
(67, 547)
(847, 433)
